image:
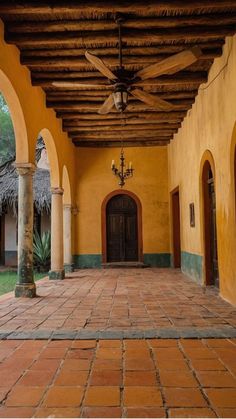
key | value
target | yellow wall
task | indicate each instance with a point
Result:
(209, 126)
(95, 181)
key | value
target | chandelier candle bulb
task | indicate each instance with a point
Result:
(123, 173)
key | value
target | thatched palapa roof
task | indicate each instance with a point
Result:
(9, 189)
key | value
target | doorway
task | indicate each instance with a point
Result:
(122, 229)
(176, 229)
(210, 232)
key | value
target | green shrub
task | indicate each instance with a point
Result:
(42, 251)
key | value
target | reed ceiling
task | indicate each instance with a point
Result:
(54, 36)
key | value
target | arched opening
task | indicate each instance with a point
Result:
(66, 187)
(52, 157)
(21, 138)
(13, 148)
(209, 225)
(121, 228)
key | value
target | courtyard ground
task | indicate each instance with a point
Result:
(118, 343)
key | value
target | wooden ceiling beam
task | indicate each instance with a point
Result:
(131, 37)
(97, 96)
(113, 144)
(81, 64)
(118, 136)
(126, 128)
(158, 116)
(94, 104)
(183, 78)
(122, 128)
(210, 49)
(76, 10)
(108, 25)
(93, 107)
(120, 124)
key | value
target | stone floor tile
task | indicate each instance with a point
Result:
(226, 413)
(216, 379)
(146, 412)
(108, 353)
(107, 364)
(207, 365)
(172, 365)
(101, 412)
(180, 379)
(167, 354)
(102, 396)
(66, 396)
(192, 413)
(16, 412)
(184, 397)
(68, 377)
(137, 364)
(223, 397)
(19, 396)
(36, 378)
(57, 412)
(53, 353)
(219, 343)
(109, 343)
(84, 344)
(106, 378)
(142, 396)
(77, 364)
(140, 378)
(46, 365)
(200, 353)
(162, 343)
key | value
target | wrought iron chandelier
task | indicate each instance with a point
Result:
(122, 173)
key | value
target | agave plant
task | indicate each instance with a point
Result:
(42, 250)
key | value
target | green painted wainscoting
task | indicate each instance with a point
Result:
(191, 265)
(161, 260)
(87, 261)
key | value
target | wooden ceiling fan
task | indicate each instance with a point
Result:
(125, 83)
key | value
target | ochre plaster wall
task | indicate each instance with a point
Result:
(95, 181)
(209, 125)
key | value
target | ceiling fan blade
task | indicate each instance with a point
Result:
(79, 85)
(153, 101)
(100, 66)
(171, 64)
(107, 105)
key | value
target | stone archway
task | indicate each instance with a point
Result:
(137, 204)
(17, 116)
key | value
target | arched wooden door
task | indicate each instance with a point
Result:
(122, 229)
(210, 233)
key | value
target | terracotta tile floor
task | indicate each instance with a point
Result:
(118, 378)
(118, 299)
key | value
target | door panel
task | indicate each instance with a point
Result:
(122, 229)
(176, 230)
(213, 236)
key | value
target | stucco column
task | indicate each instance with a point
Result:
(25, 286)
(68, 265)
(57, 267)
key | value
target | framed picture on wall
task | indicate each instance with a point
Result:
(192, 214)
